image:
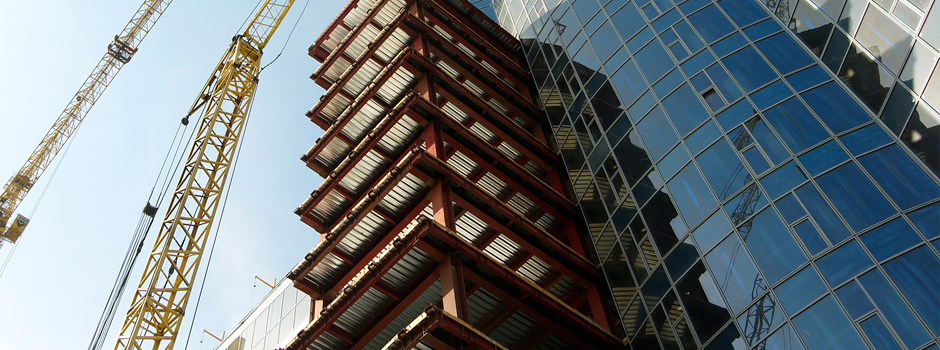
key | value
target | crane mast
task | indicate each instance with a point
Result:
(160, 301)
(120, 51)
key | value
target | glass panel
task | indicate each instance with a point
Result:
(702, 301)
(811, 26)
(673, 161)
(807, 78)
(728, 339)
(836, 109)
(922, 135)
(713, 99)
(878, 334)
(585, 9)
(743, 12)
(663, 222)
(698, 62)
(760, 318)
(885, 39)
(783, 180)
(668, 83)
(843, 263)
(711, 231)
(854, 196)
(800, 290)
(723, 82)
(657, 133)
(918, 67)
(807, 232)
(854, 299)
(643, 37)
(931, 30)
(783, 53)
(605, 41)
(767, 141)
(783, 339)
(691, 195)
(723, 169)
(824, 326)
(628, 82)
(872, 84)
(711, 23)
(634, 317)
(865, 139)
(852, 15)
(770, 95)
(915, 274)
(762, 29)
(745, 204)
(729, 44)
(927, 220)
(653, 61)
(679, 261)
(669, 36)
(825, 217)
(835, 52)
(791, 209)
(772, 245)
(823, 158)
(796, 125)
(650, 11)
(748, 68)
(678, 51)
(689, 38)
(655, 287)
(666, 20)
(692, 5)
(893, 309)
(832, 7)
(700, 82)
(703, 137)
(891, 238)
(627, 21)
(734, 115)
(904, 181)
(735, 272)
(898, 109)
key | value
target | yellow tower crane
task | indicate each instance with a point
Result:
(120, 51)
(160, 300)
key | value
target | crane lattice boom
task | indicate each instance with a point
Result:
(160, 300)
(120, 51)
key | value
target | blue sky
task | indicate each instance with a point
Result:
(60, 274)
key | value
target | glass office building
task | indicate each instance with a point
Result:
(754, 174)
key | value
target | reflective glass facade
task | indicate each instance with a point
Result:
(754, 174)
(276, 319)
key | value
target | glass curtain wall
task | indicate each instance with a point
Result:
(754, 174)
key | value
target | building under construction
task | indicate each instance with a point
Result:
(444, 218)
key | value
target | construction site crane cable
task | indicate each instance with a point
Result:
(160, 300)
(119, 52)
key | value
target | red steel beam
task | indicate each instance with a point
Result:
(434, 318)
(354, 33)
(386, 320)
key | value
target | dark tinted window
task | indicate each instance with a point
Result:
(743, 12)
(830, 224)
(897, 174)
(915, 275)
(854, 196)
(711, 23)
(785, 54)
(653, 60)
(824, 326)
(854, 299)
(890, 239)
(749, 69)
(800, 290)
(843, 263)
(927, 220)
(796, 125)
(823, 158)
(893, 308)
(834, 106)
(865, 139)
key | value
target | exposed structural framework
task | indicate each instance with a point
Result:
(160, 301)
(443, 214)
(120, 51)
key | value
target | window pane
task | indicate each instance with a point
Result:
(854, 299)
(878, 334)
(628, 82)
(605, 41)
(723, 82)
(711, 23)
(673, 161)
(884, 38)
(785, 54)
(800, 290)
(854, 196)
(691, 195)
(703, 137)
(791, 209)
(783, 180)
(657, 133)
(915, 274)
(768, 141)
(811, 26)
(836, 109)
(749, 69)
(927, 220)
(894, 310)
(823, 158)
(824, 326)
(918, 67)
(890, 239)
(653, 60)
(679, 261)
(772, 245)
(807, 78)
(760, 318)
(735, 114)
(922, 135)
(698, 62)
(898, 109)
(688, 36)
(810, 237)
(702, 301)
(712, 231)
(769, 95)
(743, 206)
(684, 108)
(627, 21)
(783, 339)
(843, 263)
(825, 217)
(897, 174)
(723, 169)
(865, 139)
(735, 272)
(796, 125)
(756, 160)
(743, 12)
(872, 86)
(729, 44)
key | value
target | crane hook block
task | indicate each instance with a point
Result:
(120, 50)
(150, 210)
